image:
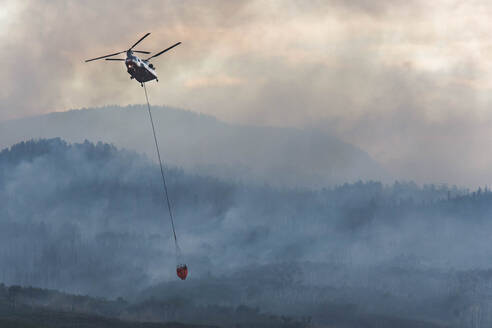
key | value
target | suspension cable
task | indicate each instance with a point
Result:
(165, 191)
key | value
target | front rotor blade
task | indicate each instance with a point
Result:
(163, 51)
(143, 37)
(116, 59)
(141, 52)
(117, 53)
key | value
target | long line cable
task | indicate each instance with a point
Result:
(165, 191)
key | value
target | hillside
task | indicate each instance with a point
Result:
(203, 144)
(88, 219)
(39, 308)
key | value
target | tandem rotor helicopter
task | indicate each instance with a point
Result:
(139, 69)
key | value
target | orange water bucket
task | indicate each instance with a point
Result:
(182, 271)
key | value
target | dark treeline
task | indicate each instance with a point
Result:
(36, 307)
(36, 303)
(89, 219)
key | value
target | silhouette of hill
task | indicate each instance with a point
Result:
(203, 144)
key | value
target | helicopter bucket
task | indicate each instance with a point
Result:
(182, 271)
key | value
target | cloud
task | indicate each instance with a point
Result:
(212, 81)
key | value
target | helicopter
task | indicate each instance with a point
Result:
(139, 69)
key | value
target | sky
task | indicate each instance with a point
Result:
(407, 81)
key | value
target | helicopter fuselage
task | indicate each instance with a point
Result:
(139, 69)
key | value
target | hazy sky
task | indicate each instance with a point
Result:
(407, 81)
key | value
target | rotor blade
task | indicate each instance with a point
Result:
(117, 59)
(143, 37)
(141, 52)
(117, 53)
(163, 51)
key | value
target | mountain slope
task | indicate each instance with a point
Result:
(89, 219)
(279, 156)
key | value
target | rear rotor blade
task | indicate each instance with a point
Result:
(115, 59)
(141, 52)
(117, 53)
(163, 51)
(143, 37)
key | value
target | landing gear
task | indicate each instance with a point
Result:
(141, 84)
(157, 80)
(131, 77)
